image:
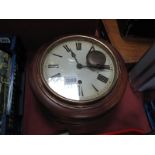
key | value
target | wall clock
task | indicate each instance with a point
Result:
(78, 79)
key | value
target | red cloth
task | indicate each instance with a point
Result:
(128, 115)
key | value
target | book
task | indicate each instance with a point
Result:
(5, 65)
(11, 87)
(144, 70)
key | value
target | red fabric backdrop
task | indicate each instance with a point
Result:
(127, 117)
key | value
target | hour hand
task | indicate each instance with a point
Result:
(74, 56)
(72, 53)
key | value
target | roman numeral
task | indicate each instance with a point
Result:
(102, 78)
(80, 90)
(57, 55)
(67, 48)
(56, 75)
(53, 66)
(107, 67)
(78, 46)
(95, 88)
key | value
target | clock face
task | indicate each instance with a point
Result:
(78, 79)
(79, 69)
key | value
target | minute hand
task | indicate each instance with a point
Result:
(97, 66)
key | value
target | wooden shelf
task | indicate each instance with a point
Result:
(130, 50)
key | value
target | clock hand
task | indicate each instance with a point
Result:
(72, 53)
(98, 66)
(74, 56)
(79, 65)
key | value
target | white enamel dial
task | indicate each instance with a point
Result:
(77, 84)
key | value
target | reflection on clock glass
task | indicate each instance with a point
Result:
(69, 74)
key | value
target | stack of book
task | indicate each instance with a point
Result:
(11, 87)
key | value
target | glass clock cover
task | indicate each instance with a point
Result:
(79, 69)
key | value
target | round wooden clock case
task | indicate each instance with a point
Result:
(65, 63)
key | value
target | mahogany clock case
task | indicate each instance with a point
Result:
(87, 115)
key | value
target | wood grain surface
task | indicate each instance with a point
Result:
(130, 50)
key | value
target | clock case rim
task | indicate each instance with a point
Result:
(84, 38)
(66, 112)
